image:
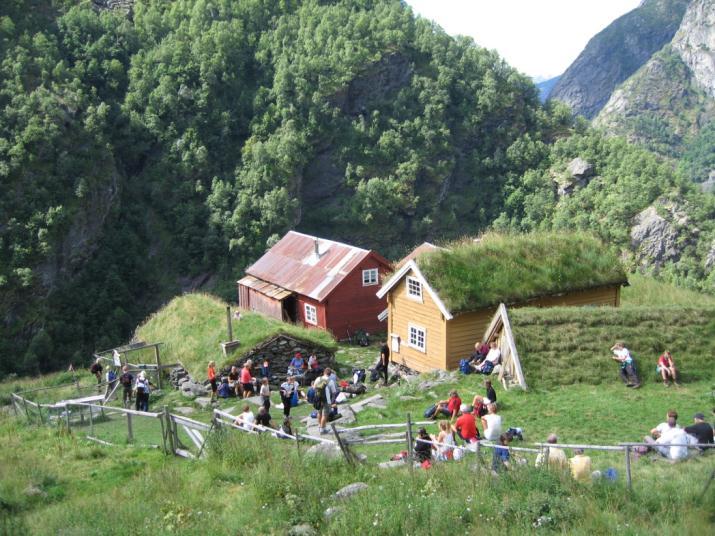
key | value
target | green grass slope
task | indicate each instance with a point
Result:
(562, 346)
(191, 327)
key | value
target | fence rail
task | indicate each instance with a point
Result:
(72, 412)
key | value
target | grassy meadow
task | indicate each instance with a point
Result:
(54, 482)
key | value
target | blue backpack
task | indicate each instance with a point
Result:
(464, 367)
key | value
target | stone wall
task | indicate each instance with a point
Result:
(279, 351)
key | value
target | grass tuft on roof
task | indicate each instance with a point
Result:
(513, 268)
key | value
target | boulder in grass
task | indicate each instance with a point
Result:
(203, 401)
(302, 530)
(350, 490)
(332, 511)
(326, 450)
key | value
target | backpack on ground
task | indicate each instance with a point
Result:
(359, 375)
(374, 375)
(464, 366)
(310, 395)
(224, 391)
(355, 389)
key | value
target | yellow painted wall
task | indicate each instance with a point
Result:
(463, 331)
(403, 311)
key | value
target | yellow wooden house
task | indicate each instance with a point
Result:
(431, 326)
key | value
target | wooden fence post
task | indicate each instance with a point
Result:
(27, 413)
(629, 481)
(39, 411)
(14, 405)
(409, 440)
(479, 452)
(130, 433)
(162, 419)
(91, 422)
(158, 366)
(228, 323)
(67, 417)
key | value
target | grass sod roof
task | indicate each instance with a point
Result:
(516, 268)
(192, 326)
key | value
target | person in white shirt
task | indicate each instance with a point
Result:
(492, 359)
(491, 423)
(246, 419)
(666, 434)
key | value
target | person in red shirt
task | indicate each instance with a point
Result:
(466, 426)
(449, 408)
(666, 367)
(212, 379)
(247, 379)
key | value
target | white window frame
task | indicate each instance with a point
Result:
(395, 340)
(417, 329)
(373, 277)
(311, 314)
(415, 282)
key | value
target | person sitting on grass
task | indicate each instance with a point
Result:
(450, 407)
(662, 427)
(264, 418)
(628, 367)
(501, 454)
(491, 423)
(670, 441)
(492, 359)
(296, 365)
(481, 349)
(247, 379)
(491, 393)
(479, 405)
(445, 438)
(580, 466)
(233, 381)
(423, 446)
(465, 426)
(701, 430)
(667, 370)
(555, 456)
(246, 419)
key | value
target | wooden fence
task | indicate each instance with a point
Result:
(82, 413)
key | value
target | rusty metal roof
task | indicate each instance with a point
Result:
(293, 264)
(269, 289)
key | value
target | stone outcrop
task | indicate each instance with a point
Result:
(121, 5)
(660, 232)
(579, 173)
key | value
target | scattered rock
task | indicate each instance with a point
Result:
(257, 400)
(33, 491)
(332, 512)
(391, 464)
(188, 394)
(348, 415)
(579, 168)
(302, 530)
(423, 386)
(350, 490)
(408, 398)
(203, 401)
(369, 402)
(184, 410)
(326, 450)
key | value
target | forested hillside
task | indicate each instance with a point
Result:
(161, 146)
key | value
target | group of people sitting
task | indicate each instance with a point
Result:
(483, 360)
(665, 367)
(243, 384)
(672, 441)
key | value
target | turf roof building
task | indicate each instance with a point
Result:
(441, 301)
(318, 283)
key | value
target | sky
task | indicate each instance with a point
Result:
(540, 38)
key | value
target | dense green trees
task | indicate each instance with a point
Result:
(139, 152)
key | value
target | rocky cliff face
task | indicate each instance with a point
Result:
(616, 53)
(695, 43)
(667, 101)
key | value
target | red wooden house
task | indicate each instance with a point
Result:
(316, 282)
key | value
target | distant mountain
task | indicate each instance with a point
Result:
(546, 86)
(668, 103)
(617, 52)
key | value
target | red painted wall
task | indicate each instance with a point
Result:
(302, 300)
(351, 306)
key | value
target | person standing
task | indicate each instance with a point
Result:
(247, 379)
(385, 359)
(265, 393)
(96, 369)
(143, 389)
(212, 380)
(126, 379)
(628, 368)
(322, 400)
(287, 389)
